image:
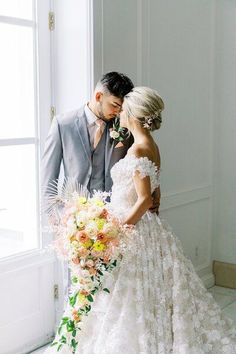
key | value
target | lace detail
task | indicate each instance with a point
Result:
(157, 304)
(129, 165)
(123, 191)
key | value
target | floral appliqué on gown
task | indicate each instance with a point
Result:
(157, 303)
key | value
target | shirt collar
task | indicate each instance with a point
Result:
(91, 117)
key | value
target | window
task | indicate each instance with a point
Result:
(19, 141)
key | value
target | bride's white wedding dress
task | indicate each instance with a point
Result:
(157, 303)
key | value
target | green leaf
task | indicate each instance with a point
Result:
(88, 308)
(74, 333)
(72, 299)
(59, 329)
(60, 346)
(70, 326)
(65, 319)
(53, 343)
(90, 298)
(74, 279)
(73, 343)
(63, 339)
(99, 272)
(107, 290)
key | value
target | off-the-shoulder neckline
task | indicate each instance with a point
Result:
(142, 158)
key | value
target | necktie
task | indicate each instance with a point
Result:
(98, 132)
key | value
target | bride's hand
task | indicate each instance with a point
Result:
(129, 226)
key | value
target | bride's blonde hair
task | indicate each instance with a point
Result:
(145, 105)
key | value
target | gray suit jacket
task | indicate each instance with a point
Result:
(68, 142)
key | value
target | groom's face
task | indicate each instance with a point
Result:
(108, 106)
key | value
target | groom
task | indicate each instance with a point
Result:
(82, 141)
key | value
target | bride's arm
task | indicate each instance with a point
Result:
(156, 198)
(144, 200)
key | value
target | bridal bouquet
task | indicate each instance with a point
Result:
(93, 242)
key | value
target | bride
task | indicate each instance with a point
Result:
(157, 303)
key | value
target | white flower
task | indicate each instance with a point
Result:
(146, 125)
(82, 263)
(75, 244)
(110, 229)
(94, 212)
(91, 228)
(71, 226)
(85, 273)
(81, 216)
(114, 134)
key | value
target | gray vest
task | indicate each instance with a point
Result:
(97, 178)
(68, 142)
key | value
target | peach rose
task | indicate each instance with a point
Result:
(82, 236)
(92, 271)
(75, 315)
(84, 292)
(106, 259)
(76, 260)
(90, 263)
(104, 214)
(102, 237)
(83, 252)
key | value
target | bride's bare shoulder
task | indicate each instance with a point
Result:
(151, 152)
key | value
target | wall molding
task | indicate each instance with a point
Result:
(177, 199)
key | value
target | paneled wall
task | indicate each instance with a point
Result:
(170, 46)
(224, 245)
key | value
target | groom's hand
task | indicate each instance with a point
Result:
(156, 197)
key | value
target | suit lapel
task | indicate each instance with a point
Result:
(81, 126)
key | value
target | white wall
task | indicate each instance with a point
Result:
(185, 50)
(224, 245)
(169, 46)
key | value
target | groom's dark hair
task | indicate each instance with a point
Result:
(116, 84)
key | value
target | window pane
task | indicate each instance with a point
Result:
(16, 8)
(17, 82)
(18, 220)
